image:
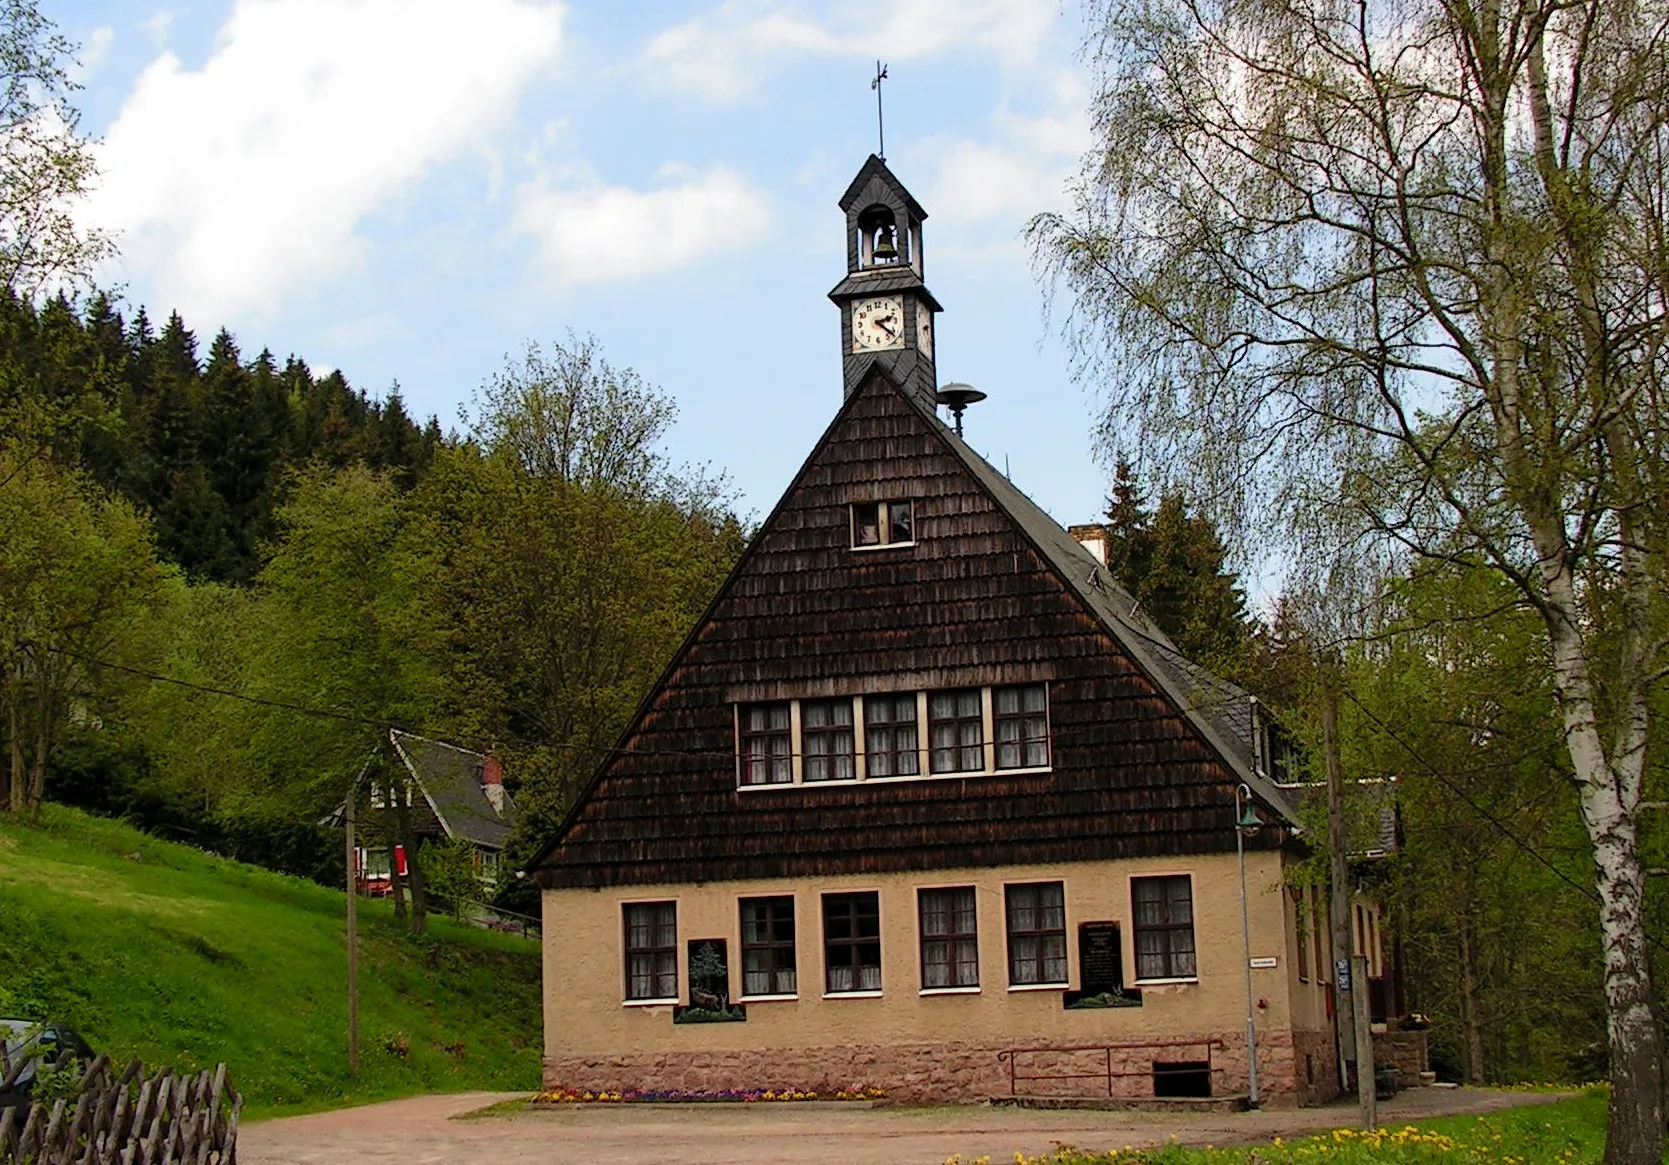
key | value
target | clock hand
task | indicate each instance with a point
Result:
(882, 323)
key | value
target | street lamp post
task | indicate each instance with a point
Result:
(1246, 821)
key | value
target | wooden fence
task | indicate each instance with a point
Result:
(128, 1119)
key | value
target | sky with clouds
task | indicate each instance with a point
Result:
(409, 190)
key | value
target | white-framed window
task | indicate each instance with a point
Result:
(768, 951)
(889, 523)
(651, 941)
(830, 744)
(1036, 933)
(1163, 907)
(1020, 725)
(852, 943)
(767, 743)
(956, 729)
(953, 732)
(949, 938)
(891, 743)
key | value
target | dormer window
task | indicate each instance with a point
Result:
(883, 524)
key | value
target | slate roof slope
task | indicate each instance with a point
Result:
(992, 592)
(875, 168)
(1221, 709)
(449, 778)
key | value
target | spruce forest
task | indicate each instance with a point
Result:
(224, 576)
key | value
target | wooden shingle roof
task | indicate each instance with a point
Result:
(1145, 755)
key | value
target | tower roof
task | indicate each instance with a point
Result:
(874, 169)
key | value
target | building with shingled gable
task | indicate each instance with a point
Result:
(924, 802)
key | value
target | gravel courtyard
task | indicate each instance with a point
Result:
(421, 1131)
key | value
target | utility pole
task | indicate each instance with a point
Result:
(1339, 876)
(1366, 1077)
(353, 939)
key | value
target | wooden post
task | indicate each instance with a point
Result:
(353, 941)
(1366, 1077)
(1339, 871)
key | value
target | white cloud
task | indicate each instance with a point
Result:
(588, 232)
(93, 54)
(156, 26)
(1019, 165)
(236, 183)
(724, 54)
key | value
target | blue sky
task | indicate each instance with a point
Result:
(408, 190)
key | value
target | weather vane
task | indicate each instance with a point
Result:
(880, 124)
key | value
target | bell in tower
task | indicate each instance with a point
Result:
(886, 310)
(878, 246)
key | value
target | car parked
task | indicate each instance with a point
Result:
(27, 1045)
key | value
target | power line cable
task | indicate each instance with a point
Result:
(1586, 892)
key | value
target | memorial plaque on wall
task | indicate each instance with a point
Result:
(1100, 958)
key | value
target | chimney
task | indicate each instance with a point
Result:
(492, 781)
(1092, 539)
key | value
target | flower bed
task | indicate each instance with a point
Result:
(701, 1095)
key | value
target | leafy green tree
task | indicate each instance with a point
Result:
(563, 559)
(78, 575)
(48, 163)
(1385, 283)
(1454, 703)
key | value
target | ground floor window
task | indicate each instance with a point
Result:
(1036, 933)
(1164, 910)
(852, 941)
(949, 938)
(768, 946)
(651, 950)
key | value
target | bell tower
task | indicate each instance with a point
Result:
(886, 312)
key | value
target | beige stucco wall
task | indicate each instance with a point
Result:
(586, 1014)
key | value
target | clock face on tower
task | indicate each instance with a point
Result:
(878, 324)
(924, 330)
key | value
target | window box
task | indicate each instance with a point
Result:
(1078, 1001)
(735, 1013)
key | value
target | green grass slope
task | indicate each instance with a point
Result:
(179, 957)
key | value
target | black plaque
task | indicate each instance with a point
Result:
(1100, 958)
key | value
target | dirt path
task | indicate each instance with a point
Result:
(420, 1131)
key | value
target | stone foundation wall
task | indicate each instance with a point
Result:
(1407, 1050)
(1316, 1067)
(955, 1072)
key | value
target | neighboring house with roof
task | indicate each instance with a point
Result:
(454, 793)
(924, 803)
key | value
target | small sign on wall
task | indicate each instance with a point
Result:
(1265, 963)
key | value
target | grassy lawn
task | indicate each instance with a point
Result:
(160, 951)
(1570, 1132)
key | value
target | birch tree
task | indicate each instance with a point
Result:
(46, 165)
(1382, 278)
